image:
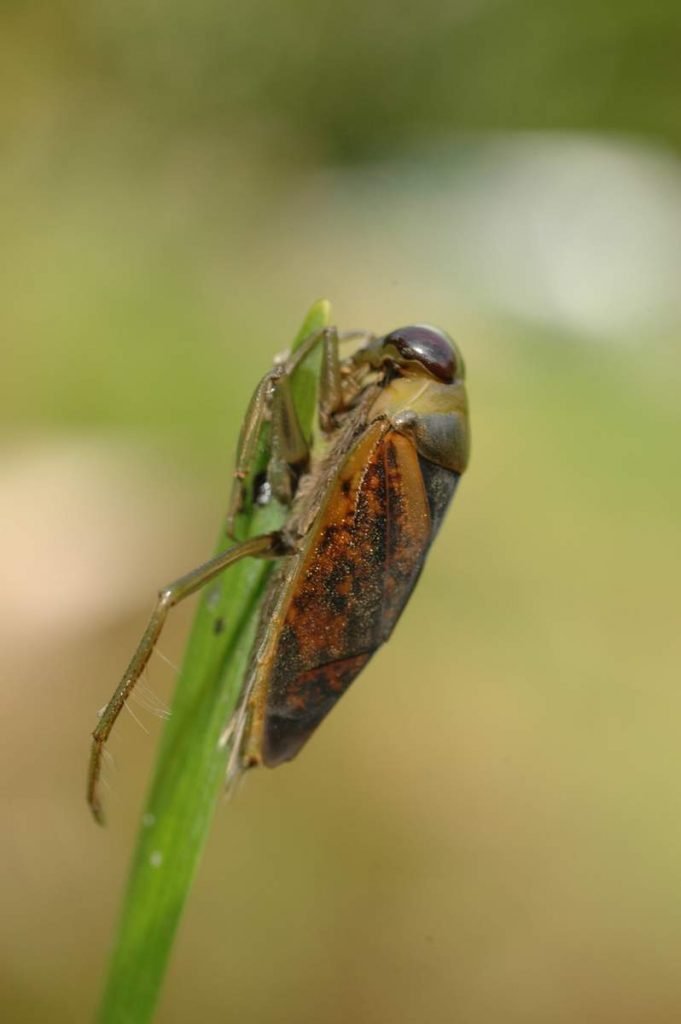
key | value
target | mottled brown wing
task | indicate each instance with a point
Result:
(359, 564)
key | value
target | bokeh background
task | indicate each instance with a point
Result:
(488, 828)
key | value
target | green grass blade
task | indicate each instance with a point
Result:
(190, 770)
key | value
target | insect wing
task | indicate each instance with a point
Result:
(346, 591)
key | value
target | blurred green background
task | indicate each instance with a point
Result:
(488, 828)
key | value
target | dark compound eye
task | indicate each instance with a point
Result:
(427, 345)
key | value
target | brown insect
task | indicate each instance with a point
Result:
(364, 506)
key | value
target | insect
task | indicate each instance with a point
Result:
(362, 503)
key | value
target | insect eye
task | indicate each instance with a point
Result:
(429, 346)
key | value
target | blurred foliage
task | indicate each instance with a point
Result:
(324, 80)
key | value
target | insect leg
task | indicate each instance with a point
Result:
(330, 383)
(268, 545)
(290, 451)
(248, 443)
(331, 398)
(273, 400)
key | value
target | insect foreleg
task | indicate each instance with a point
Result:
(330, 381)
(290, 450)
(273, 400)
(330, 390)
(271, 545)
(257, 412)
